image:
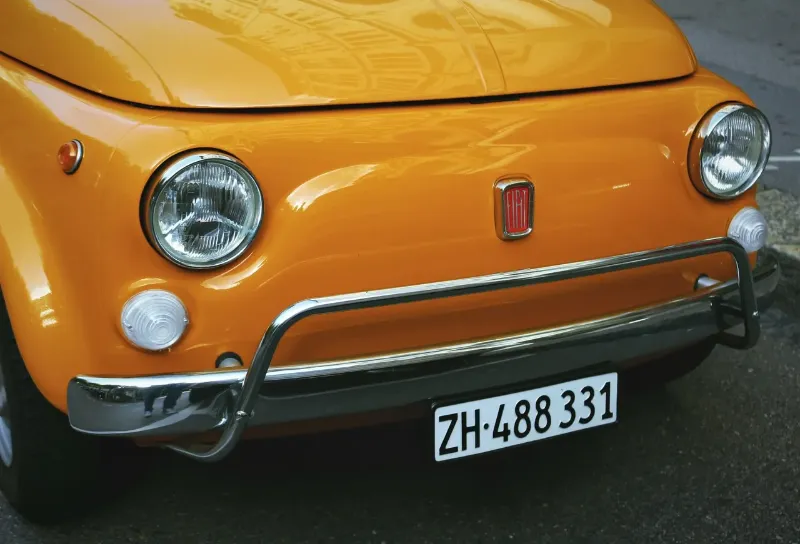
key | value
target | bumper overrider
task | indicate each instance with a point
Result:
(228, 402)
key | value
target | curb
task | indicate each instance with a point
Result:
(782, 211)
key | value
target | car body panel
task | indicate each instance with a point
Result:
(227, 54)
(355, 199)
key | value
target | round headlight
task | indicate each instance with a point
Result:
(204, 211)
(729, 150)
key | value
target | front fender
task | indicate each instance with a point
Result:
(38, 203)
(43, 310)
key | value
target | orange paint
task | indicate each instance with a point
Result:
(355, 198)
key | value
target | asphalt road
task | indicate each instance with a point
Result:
(714, 457)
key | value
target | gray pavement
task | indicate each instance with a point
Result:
(714, 457)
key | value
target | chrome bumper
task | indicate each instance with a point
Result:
(230, 401)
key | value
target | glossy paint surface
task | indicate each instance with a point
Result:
(231, 53)
(354, 200)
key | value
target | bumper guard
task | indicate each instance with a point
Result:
(230, 401)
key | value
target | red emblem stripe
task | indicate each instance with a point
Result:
(517, 204)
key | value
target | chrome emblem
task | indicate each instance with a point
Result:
(513, 208)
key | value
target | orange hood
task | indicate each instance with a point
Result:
(250, 53)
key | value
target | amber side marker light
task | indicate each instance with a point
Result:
(70, 156)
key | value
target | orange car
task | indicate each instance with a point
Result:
(223, 219)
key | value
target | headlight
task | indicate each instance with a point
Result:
(729, 150)
(204, 210)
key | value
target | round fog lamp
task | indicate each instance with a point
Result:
(749, 228)
(154, 320)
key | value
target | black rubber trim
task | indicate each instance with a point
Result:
(480, 99)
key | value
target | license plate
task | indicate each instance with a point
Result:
(500, 422)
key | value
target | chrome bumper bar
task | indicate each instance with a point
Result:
(230, 401)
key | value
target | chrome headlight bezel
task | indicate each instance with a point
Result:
(704, 128)
(167, 175)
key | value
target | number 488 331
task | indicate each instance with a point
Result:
(542, 419)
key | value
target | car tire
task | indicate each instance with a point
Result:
(671, 367)
(48, 471)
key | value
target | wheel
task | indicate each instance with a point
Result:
(670, 367)
(48, 471)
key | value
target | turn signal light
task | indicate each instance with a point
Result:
(70, 156)
(749, 228)
(154, 320)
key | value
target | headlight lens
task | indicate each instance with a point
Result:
(204, 211)
(729, 151)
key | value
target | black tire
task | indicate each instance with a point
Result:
(671, 367)
(54, 470)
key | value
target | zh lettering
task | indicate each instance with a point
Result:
(466, 429)
(443, 449)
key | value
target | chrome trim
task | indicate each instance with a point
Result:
(704, 128)
(173, 169)
(500, 222)
(704, 282)
(78, 158)
(235, 394)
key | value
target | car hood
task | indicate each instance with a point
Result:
(259, 54)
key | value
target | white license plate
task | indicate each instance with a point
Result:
(500, 422)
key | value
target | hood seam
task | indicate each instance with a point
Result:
(465, 42)
(467, 8)
(169, 95)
